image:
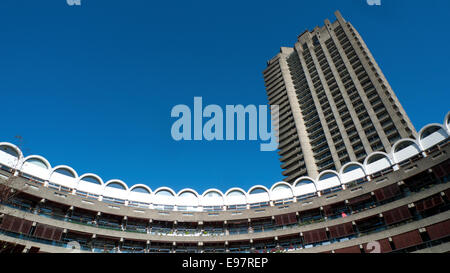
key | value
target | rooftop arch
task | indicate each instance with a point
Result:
(116, 188)
(64, 175)
(212, 197)
(38, 161)
(10, 155)
(164, 196)
(377, 161)
(188, 197)
(36, 166)
(352, 171)
(64, 170)
(140, 193)
(236, 196)
(116, 184)
(281, 190)
(258, 194)
(91, 178)
(431, 135)
(141, 188)
(164, 191)
(404, 149)
(91, 183)
(304, 185)
(327, 180)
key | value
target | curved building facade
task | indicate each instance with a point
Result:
(392, 202)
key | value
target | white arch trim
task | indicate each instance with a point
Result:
(141, 186)
(433, 139)
(378, 165)
(235, 199)
(281, 190)
(116, 181)
(304, 189)
(8, 159)
(90, 187)
(188, 200)
(213, 201)
(258, 197)
(355, 174)
(327, 183)
(411, 150)
(34, 170)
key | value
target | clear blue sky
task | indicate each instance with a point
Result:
(92, 87)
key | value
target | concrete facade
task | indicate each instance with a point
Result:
(336, 105)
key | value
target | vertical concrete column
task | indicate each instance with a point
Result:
(358, 86)
(303, 138)
(332, 106)
(313, 90)
(345, 96)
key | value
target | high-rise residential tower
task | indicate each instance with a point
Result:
(336, 105)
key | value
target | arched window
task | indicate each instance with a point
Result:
(328, 180)
(432, 135)
(258, 196)
(9, 156)
(140, 190)
(9, 150)
(304, 188)
(37, 162)
(259, 191)
(91, 179)
(116, 185)
(377, 162)
(212, 200)
(236, 197)
(213, 194)
(235, 193)
(282, 192)
(164, 193)
(352, 172)
(187, 200)
(65, 172)
(405, 149)
(187, 195)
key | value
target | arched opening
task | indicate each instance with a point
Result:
(281, 193)
(139, 196)
(304, 188)
(405, 150)
(378, 163)
(63, 178)
(212, 200)
(236, 199)
(328, 182)
(9, 157)
(36, 169)
(353, 174)
(141, 190)
(164, 199)
(38, 163)
(9, 150)
(432, 135)
(116, 185)
(187, 201)
(91, 179)
(258, 197)
(90, 185)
